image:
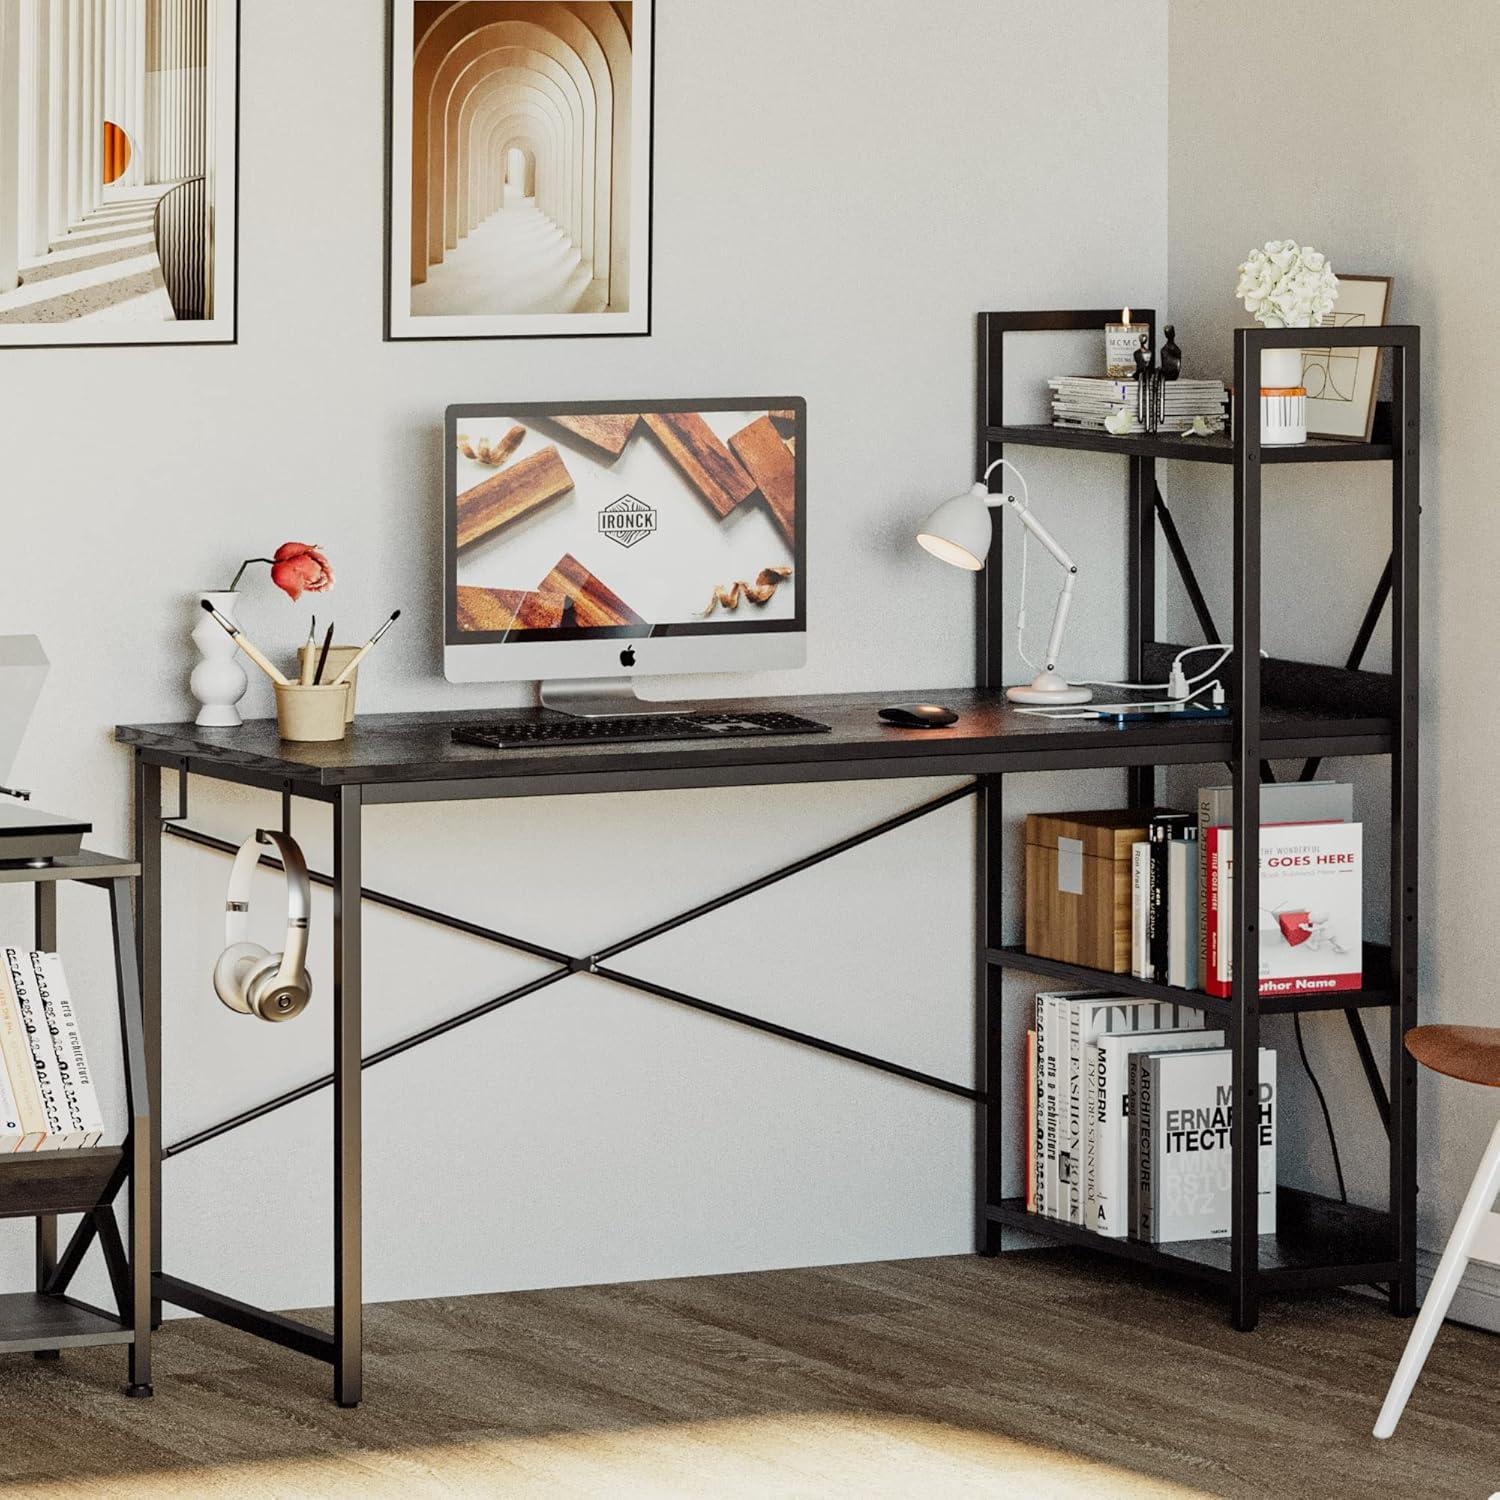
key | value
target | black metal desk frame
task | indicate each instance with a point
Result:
(1322, 1242)
(43, 1185)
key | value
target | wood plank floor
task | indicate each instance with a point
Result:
(1038, 1375)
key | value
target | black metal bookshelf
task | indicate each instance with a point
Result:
(42, 1185)
(1319, 1241)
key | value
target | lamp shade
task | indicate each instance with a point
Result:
(959, 530)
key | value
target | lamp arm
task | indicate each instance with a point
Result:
(1060, 620)
(1039, 531)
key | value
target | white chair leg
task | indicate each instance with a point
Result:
(1473, 1220)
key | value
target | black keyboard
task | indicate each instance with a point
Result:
(526, 734)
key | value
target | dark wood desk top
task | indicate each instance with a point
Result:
(395, 756)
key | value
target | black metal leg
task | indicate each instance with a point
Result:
(46, 1224)
(148, 827)
(1406, 409)
(1141, 602)
(1244, 1023)
(347, 1207)
(138, 1146)
(989, 1039)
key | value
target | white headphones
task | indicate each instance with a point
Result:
(247, 978)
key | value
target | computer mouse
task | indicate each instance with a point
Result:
(919, 716)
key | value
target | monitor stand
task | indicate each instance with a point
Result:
(600, 698)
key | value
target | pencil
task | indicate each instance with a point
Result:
(323, 657)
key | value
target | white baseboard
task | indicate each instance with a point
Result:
(1477, 1300)
(1476, 1303)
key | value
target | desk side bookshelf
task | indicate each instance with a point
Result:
(42, 1185)
(1320, 1241)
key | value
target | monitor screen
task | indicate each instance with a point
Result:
(602, 522)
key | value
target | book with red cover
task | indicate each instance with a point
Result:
(1310, 908)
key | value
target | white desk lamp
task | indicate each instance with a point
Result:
(960, 531)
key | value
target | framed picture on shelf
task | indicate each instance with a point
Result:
(119, 205)
(519, 169)
(1342, 384)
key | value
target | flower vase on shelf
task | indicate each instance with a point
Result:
(218, 681)
(1285, 285)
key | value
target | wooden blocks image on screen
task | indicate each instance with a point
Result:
(609, 432)
(492, 610)
(705, 462)
(594, 604)
(769, 462)
(514, 492)
(568, 595)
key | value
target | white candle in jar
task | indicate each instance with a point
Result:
(1121, 340)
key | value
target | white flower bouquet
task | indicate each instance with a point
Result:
(1287, 285)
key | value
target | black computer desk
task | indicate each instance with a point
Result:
(409, 758)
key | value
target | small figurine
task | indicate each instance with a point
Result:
(1171, 355)
(1148, 386)
(1319, 936)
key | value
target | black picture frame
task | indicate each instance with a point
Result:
(390, 333)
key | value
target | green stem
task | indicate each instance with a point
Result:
(269, 561)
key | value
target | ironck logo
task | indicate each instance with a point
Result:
(627, 521)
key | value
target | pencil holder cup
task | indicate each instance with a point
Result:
(311, 714)
(338, 659)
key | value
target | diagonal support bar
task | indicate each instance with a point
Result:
(786, 1033)
(890, 825)
(381, 898)
(306, 1090)
(569, 965)
(1185, 569)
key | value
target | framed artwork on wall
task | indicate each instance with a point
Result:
(119, 184)
(519, 164)
(1342, 384)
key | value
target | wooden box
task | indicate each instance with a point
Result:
(1078, 885)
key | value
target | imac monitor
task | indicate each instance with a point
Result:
(605, 540)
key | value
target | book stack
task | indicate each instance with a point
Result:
(1164, 901)
(47, 1097)
(1084, 401)
(1132, 1119)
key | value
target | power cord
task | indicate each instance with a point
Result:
(1312, 1078)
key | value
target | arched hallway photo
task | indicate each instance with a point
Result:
(521, 168)
(117, 183)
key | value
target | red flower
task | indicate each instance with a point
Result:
(298, 568)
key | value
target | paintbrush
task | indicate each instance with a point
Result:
(250, 649)
(365, 650)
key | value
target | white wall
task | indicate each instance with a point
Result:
(840, 187)
(1380, 121)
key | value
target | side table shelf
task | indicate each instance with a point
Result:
(41, 1185)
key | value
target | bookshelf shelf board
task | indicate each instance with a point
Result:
(30, 1321)
(56, 1182)
(1319, 1242)
(85, 866)
(1375, 995)
(1206, 450)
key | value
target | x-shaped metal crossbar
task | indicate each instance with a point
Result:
(599, 964)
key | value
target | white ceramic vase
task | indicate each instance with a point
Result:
(1283, 418)
(1280, 369)
(218, 681)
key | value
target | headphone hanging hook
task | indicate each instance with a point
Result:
(286, 808)
(181, 815)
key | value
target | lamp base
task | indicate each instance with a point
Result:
(1048, 689)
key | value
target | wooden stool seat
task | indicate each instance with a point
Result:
(1469, 1053)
